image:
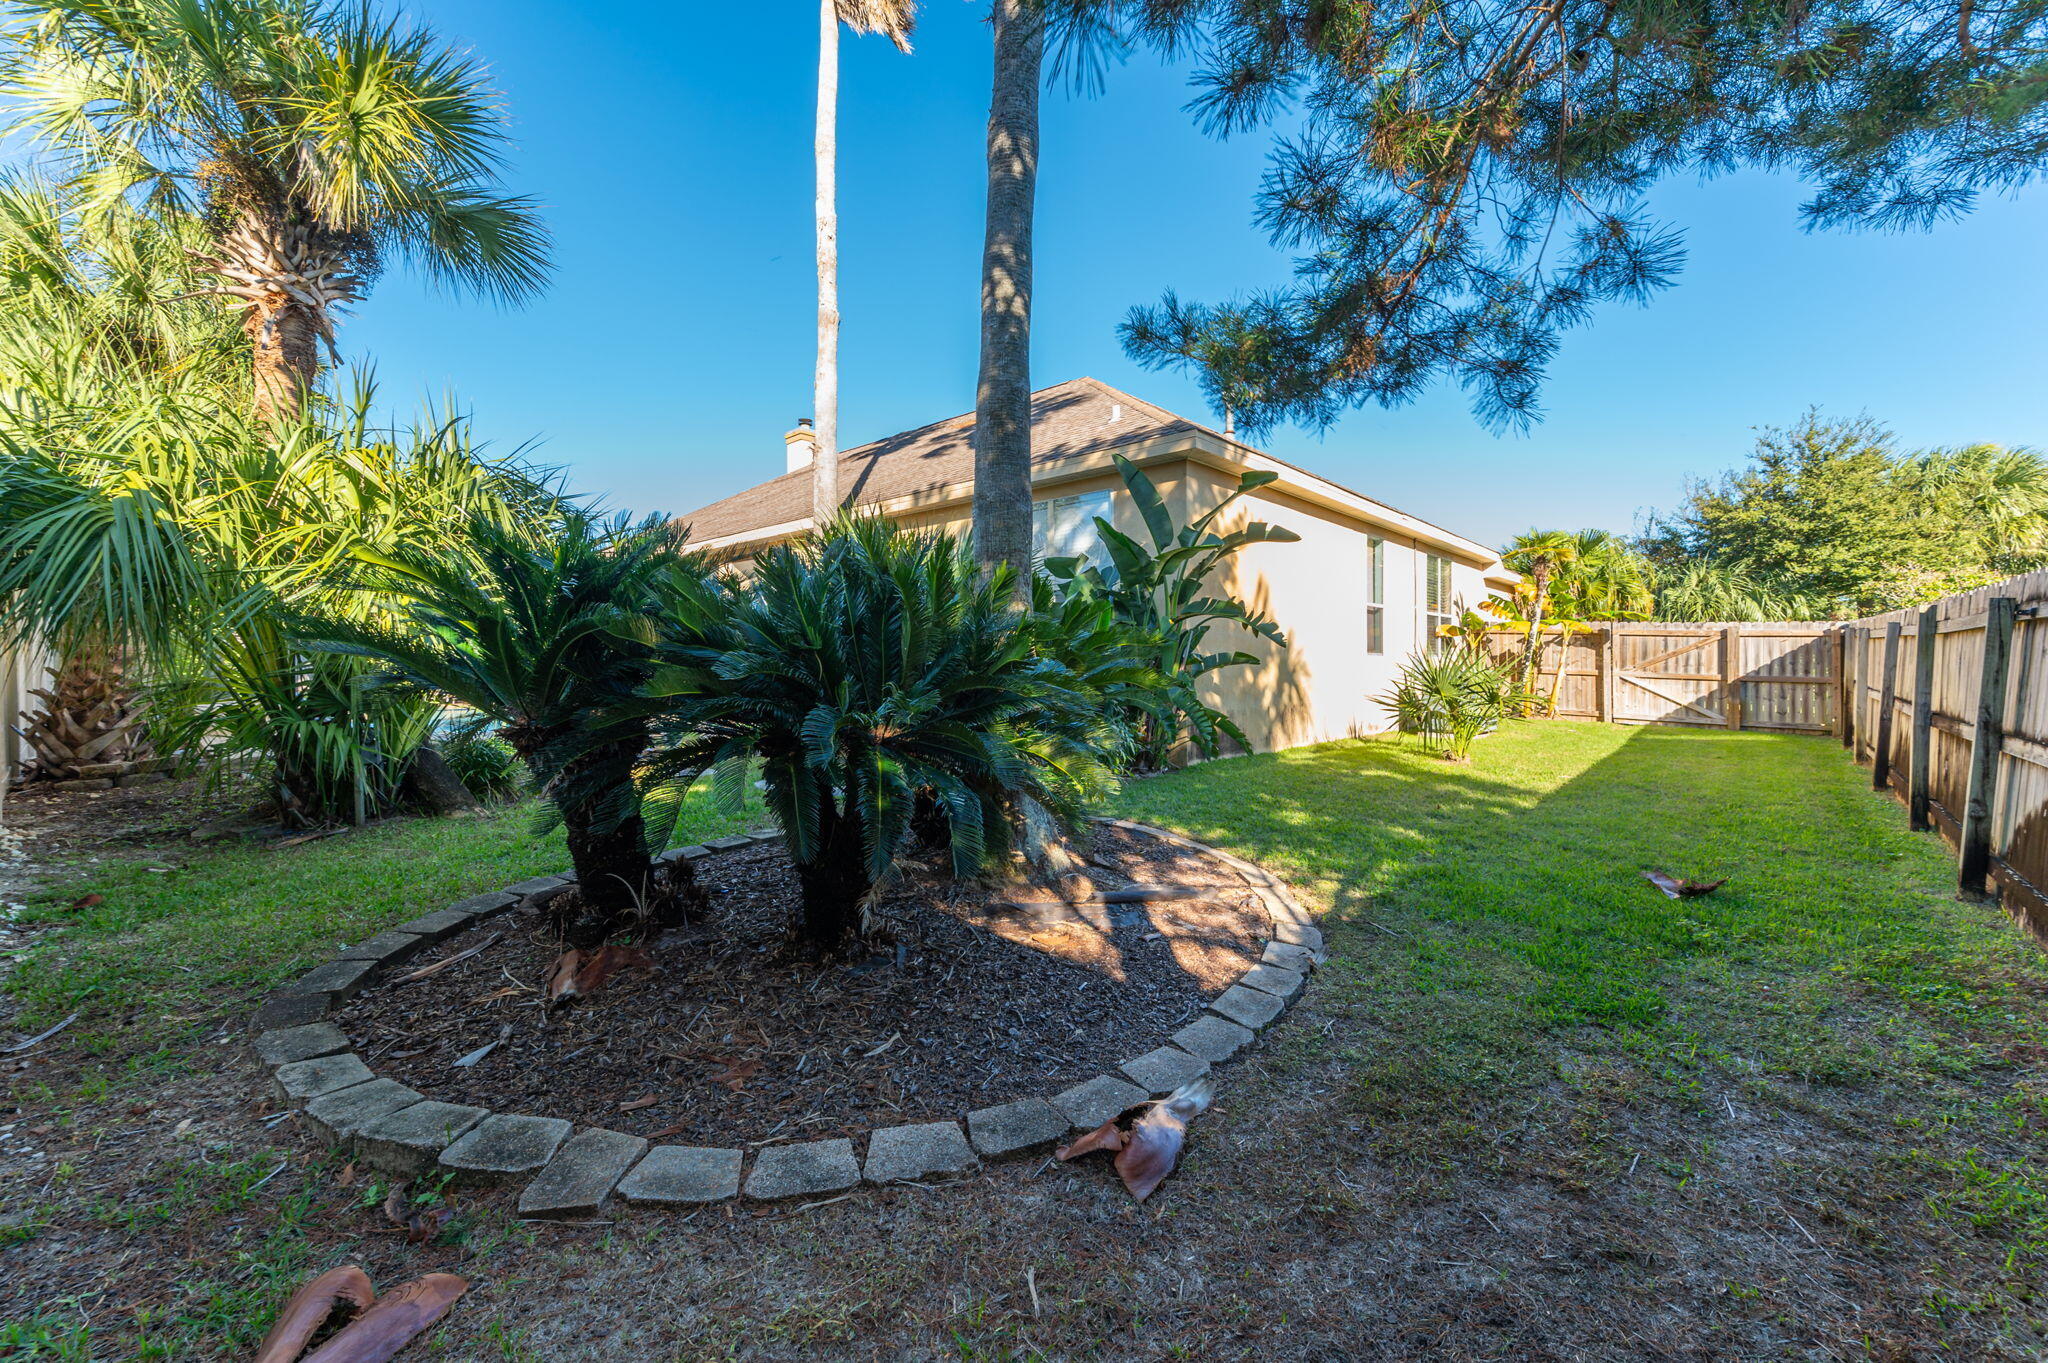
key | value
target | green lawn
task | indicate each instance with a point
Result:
(178, 935)
(1800, 1117)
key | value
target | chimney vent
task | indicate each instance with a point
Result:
(801, 445)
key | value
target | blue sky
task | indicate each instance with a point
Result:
(671, 148)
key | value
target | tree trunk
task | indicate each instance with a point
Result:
(1534, 640)
(614, 877)
(90, 722)
(286, 356)
(433, 783)
(825, 386)
(1002, 400)
(615, 882)
(833, 882)
(289, 275)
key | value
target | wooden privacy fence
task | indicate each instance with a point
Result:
(1781, 677)
(1948, 704)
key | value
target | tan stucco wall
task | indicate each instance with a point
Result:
(1323, 685)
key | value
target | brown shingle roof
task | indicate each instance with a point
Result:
(1080, 416)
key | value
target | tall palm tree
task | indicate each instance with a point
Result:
(1604, 578)
(1538, 555)
(894, 18)
(314, 137)
(1002, 396)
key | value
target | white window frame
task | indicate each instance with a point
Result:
(1438, 601)
(1375, 594)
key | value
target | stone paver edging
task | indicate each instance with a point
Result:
(571, 1172)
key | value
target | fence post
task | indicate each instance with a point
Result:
(1973, 859)
(1850, 636)
(1731, 670)
(1887, 701)
(1920, 761)
(1842, 684)
(1604, 683)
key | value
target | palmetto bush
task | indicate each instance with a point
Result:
(854, 672)
(145, 510)
(485, 763)
(1449, 699)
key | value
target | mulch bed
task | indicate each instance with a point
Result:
(968, 999)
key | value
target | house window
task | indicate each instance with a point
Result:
(1375, 595)
(1437, 607)
(1064, 527)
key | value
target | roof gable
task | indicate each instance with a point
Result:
(1078, 417)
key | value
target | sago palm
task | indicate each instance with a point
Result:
(856, 670)
(315, 138)
(551, 638)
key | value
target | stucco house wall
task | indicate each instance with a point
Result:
(1323, 685)
(1326, 682)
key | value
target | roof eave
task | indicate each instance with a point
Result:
(1197, 446)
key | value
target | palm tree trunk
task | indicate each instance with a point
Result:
(288, 276)
(825, 386)
(832, 883)
(615, 880)
(286, 357)
(1002, 401)
(1535, 637)
(90, 723)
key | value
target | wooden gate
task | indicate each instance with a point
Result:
(1777, 677)
(1780, 677)
(1672, 676)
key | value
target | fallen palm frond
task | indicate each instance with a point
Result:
(1677, 887)
(578, 974)
(397, 1318)
(1149, 1147)
(346, 1289)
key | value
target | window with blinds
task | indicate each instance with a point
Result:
(1064, 527)
(1375, 595)
(1438, 608)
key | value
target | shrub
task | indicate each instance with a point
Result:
(854, 671)
(1450, 699)
(485, 763)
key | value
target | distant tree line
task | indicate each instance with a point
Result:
(1829, 519)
